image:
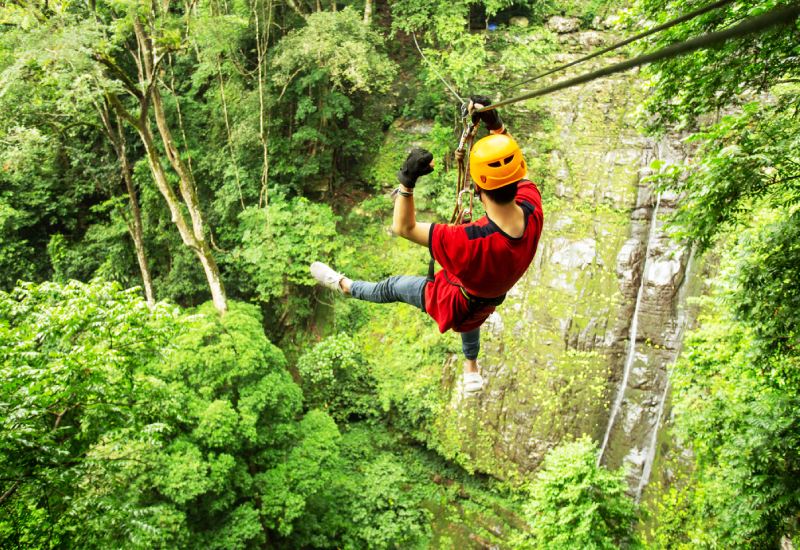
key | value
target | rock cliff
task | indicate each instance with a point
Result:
(584, 342)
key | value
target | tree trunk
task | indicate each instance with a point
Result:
(195, 236)
(188, 234)
(135, 226)
(262, 45)
(368, 12)
(231, 148)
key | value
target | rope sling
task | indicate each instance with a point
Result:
(465, 190)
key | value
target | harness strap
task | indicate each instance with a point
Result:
(473, 301)
(480, 301)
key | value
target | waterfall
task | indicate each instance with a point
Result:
(681, 325)
(631, 337)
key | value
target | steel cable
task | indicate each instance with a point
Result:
(627, 41)
(782, 15)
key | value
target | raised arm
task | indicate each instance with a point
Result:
(404, 220)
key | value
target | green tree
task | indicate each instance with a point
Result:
(115, 59)
(124, 426)
(574, 503)
(324, 72)
(736, 403)
(278, 243)
(336, 377)
(736, 389)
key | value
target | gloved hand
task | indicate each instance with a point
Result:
(417, 164)
(490, 118)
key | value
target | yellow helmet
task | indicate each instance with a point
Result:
(496, 161)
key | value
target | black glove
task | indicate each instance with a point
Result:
(490, 118)
(417, 164)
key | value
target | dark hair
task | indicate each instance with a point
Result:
(502, 195)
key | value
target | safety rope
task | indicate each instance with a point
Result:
(433, 68)
(783, 15)
(616, 46)
(465, 192)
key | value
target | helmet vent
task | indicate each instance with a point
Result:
(495, 164)
(508, 159)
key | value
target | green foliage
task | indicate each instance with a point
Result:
(767, 298)
(124, 426)
(385, 515)
(743, 159)
(736, 401)
(339, 45)
(326, 71)
(70, 359)
(279, 242)
(337, 378)
(745, 489)
(711, 79)
(736, 387)
(577, 504)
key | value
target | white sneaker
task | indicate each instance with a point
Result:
(326, 276)
(473, 383)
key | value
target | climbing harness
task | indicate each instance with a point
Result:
(783, 15)
(463, 210)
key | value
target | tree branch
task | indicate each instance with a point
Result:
(115, 69)
(8, 494)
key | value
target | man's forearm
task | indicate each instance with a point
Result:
(404, 218)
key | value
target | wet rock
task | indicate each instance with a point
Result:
(519, 21)
(562, 222)
(563, 25)
(629, 262)
(636, 457)
(639, 377)
(632, 417)
(574, 255)
(494, 323)
(663, 272)
(600, 24)
(590, 39)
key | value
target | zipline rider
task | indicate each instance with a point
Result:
(481, 260)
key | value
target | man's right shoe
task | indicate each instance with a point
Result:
(473, 383)
(327, 277)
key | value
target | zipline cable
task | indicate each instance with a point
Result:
(627, 41)
(458, 97)
(779, 16)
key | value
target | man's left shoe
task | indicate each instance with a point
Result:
(473, 383)
(327, 277)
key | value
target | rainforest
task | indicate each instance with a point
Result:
(172, 376)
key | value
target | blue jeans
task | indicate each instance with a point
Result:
(410, 290)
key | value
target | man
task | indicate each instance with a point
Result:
(480, 261)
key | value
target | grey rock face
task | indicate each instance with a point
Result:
(563, 25)
(590, 39)
(557, 351)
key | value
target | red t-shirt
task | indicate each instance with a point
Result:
(483, 260)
